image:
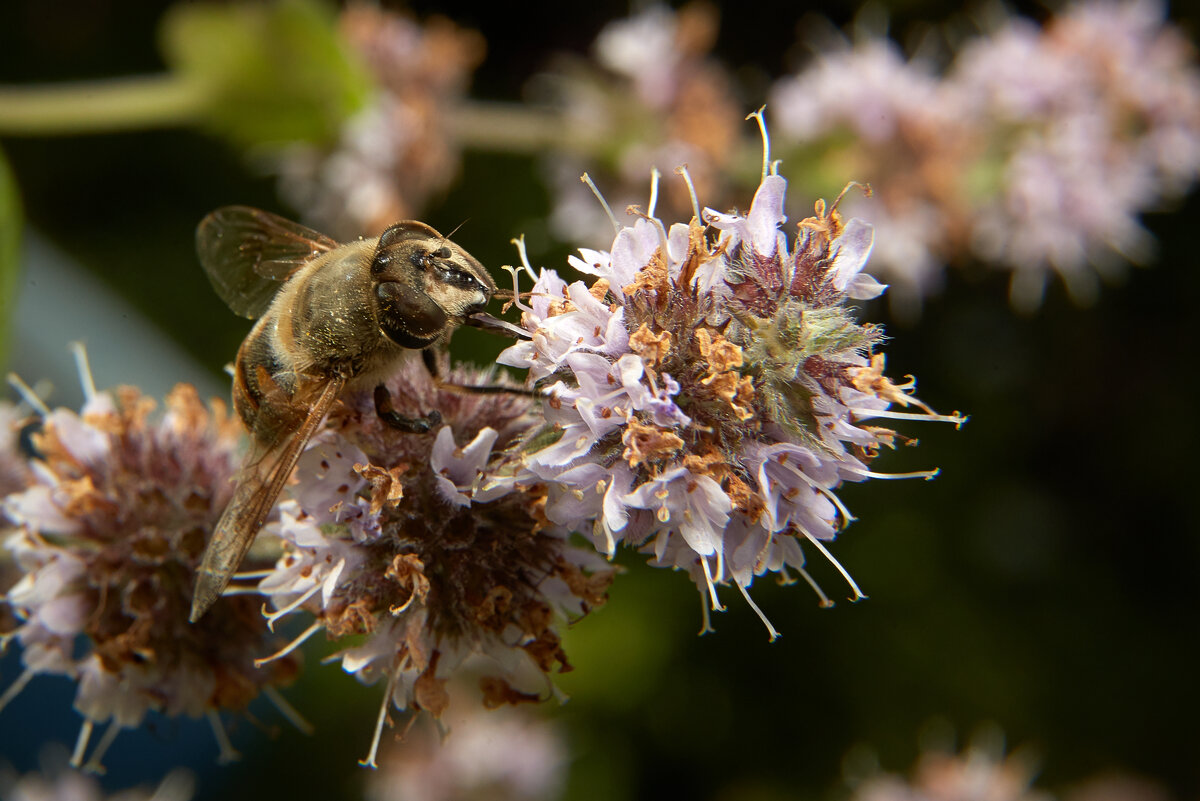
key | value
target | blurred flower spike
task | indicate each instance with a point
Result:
(498, 755)
(710, 389)
(1035, 151)
(400, 150)
(397, 544)
(651, 93)
(981, 770)
(57, 782)
(106, 538)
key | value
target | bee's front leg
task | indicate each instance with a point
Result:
(431, 364)
(411, 425)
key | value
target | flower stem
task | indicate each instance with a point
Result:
(114, 104)
(512, 128)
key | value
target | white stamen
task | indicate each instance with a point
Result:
(705, 619)
(287, 710)
(241, 589)
(587, 179)
(847, 518)
(252, 574)
(828, 493)
(81, 743)
(85, 371)
(15, 688)
(28, 395)
(369, 762)
(687, 179)
(396, 611)
(94, 764)
(226, 753)
(712, 589)
(654, 176)
(925, 474)
(858, 594)
(770, 629)
(825, 603)
(762, 127)
(292, 646)
(516, 293)
(520, 243)
(929, 417)
(273, 616)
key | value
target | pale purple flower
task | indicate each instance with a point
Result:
(107, 538)
(714, 436)
(981, 771)
(431, 549)
(1086, 108)
(870, 86)
(500, 755)
(642, 48)
(459, 471)
(58, 782)
(1035, 151)
(650, 97)
(399, 150)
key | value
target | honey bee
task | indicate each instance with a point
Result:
(330, 316)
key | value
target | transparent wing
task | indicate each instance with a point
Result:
(259, 484)
(247, 252)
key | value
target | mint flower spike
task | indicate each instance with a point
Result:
(430, 551)
(710, 389)
(107, 536)
(56, 781)
(1036, 150)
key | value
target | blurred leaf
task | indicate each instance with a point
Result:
(276, 72)
(10, 246)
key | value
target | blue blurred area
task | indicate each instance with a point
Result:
(42, 715)
(60, 302)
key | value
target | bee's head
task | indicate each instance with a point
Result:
(425, 283)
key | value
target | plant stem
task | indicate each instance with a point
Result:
(513, 128)
(115, 104)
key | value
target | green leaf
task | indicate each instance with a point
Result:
(10, 251)
(275, 72)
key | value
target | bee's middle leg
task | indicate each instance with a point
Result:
(412, 425)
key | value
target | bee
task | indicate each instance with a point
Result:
(330, 317)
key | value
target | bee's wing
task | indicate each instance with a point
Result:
(246, 253)
(259, 483)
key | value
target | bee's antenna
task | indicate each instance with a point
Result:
(455, 231)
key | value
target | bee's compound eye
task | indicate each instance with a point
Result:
(407, 315)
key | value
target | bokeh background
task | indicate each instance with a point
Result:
(1046, 582)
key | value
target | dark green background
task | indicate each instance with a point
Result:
(1045, 582)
